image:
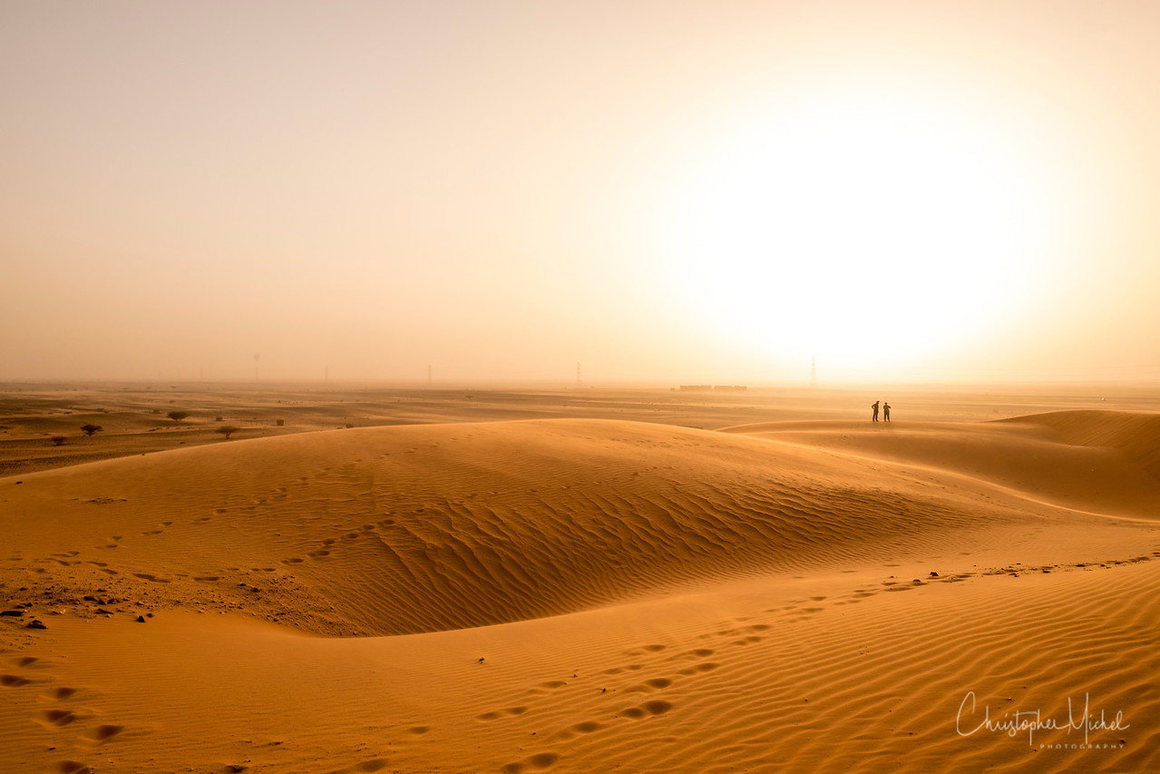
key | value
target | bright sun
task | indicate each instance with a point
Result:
(862, 231)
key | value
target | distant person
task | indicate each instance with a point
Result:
(874, 409)
(885, 411)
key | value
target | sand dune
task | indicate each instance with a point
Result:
(1101, 461)
(399, 530)
(641, 596)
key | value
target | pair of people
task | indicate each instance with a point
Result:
(885, 411)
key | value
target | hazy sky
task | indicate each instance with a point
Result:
(705, 191)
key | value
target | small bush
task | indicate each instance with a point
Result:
(89, 430)
(58, 440)
(177, 416)
(227, 431)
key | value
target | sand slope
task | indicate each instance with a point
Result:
(722, 601)
(398, 530)
(1102, 461)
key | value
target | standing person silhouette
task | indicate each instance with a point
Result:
(874, 408)
(885, 411)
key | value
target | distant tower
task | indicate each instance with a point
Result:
(577, 374)
(813, 373)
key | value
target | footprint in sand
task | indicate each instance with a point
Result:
(56, 717)
(103, 733)
(654, 684)
(746, 641)
(655, 707)
(500, 713)
(293, 560)
(537, 762)
(707, 666)
(71, 767)
(587, 727)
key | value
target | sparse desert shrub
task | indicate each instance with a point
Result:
(90, 429)
(280, 422)
(177, 416)
(217, 419)
(57, 440)
(155, 411)
(227, 431)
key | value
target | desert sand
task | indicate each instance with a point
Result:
(633, 580)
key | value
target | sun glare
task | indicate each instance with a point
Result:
(861, 230)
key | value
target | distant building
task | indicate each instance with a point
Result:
(714, 388)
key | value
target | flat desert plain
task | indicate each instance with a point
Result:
(584, 580)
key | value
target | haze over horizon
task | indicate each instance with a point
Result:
(500, 190)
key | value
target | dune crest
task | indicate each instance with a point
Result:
(1093, 461)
